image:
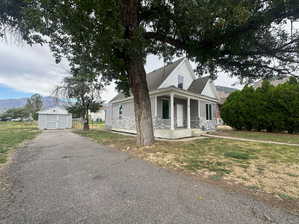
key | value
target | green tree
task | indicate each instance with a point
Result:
(15, 113)
(83, 91)
(230, 110)
(34, 104)
(239, 37)
(287, 103)
(266, 108)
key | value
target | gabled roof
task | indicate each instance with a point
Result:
(198, 85)
(155, 78)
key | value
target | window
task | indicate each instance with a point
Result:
(208, 111)
(120, 111)
(180, 82)
(165, 109)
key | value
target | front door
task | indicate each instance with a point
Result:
(180, 115)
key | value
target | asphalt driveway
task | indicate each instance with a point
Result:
(61, 177)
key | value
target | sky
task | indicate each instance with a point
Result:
(25, 70)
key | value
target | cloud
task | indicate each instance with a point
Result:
(33, 69)
(30, 69)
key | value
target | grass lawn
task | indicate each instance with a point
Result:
(14, 133)
(265, 136)
(259, 167)
(92, 125)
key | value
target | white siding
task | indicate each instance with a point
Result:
(184, 70)
(54, 121)
(210, 90)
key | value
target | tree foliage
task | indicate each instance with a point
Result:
(245, 38)
(34, 104)
(15, 113)
(266, 108)
(241, 37)
(83, 93)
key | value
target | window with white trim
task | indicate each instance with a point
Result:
(180, 81)
(209, 112)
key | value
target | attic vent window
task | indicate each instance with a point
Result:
(180, 82)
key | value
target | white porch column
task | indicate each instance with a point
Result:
(171, 111)
(198, 109)
(188, 114)
(156, 107)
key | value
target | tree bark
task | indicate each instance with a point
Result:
(142, 103)
(86, 122)
(133, 57)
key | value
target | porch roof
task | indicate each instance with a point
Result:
(176, 91)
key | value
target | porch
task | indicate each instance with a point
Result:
(176, 114)
(180, 115)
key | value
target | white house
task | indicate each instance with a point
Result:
(182, 105)
(54, 118)
(98, 116)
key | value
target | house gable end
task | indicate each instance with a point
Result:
(184, 70)
(210, 90)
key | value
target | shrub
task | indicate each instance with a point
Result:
(266, 108)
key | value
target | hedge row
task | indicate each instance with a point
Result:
(266, 108)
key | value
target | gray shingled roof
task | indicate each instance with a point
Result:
(155, 78)
(198, 85)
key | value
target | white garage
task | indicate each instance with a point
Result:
(54, 118)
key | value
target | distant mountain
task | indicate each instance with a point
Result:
(48, 102)
(225, 89)
(224, 92)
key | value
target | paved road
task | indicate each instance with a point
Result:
(64, 178)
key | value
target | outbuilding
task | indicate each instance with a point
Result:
(54, 118)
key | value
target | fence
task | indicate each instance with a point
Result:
(78, 124)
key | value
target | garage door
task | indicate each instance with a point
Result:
(52, 121)
(56, 121)
(62, 121)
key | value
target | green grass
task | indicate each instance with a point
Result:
(264, 136)
(14, 133)
(237, 155)
(107, 138)
(285, 196)
(211, 153)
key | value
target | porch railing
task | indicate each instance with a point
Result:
(203, 124)
(159, 123)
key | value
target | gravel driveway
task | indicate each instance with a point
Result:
(61, 177)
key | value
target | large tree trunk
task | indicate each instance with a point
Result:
(133, 56)
(86, 122)
(142, 104)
